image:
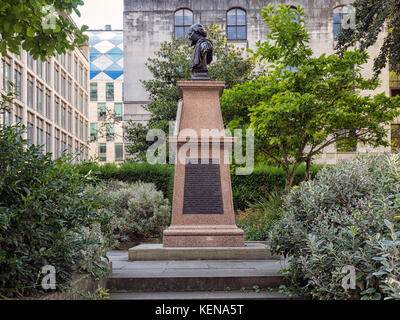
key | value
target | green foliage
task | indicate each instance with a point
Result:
(172, 64)
(372, 18)
(246, 189)
(162, 176)
(264, 180)
(43, 208)
(347, 216)
(306, 103)
(257, 220)
(24, 22)
(139, 209)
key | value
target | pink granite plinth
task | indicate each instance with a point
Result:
(204, 236)
(201, 110)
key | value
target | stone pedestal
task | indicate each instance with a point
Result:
(202, 213)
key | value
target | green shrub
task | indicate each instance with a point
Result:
(341, 218)
(264, 180)
(245, 189)
(257, 220)
(139, 209)
(162, 176)
(43, 208)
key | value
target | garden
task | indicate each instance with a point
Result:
(323, 218)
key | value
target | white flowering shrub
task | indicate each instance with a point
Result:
(349, 215)
(141, 210)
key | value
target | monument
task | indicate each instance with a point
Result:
(203, 220)
(202, 210)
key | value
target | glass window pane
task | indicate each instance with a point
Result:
(232, 17)
(188, 17)
(179, 18)
(241, 17)
(179, 32)
(231, 33)
(241, 32)
(337, 17)
(336, 29)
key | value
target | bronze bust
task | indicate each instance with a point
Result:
(202, 54)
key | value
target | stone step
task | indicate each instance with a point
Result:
(202, 295)
(192, 275)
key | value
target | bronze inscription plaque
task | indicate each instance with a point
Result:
(202, 191)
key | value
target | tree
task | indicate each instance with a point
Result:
(34, 25)
(371, 18)
(306, 103)
(171, 64)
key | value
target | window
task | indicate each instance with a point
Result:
(18, 114)
(69, 120)
(18, 81)
(93, 91)
(70, 90)
(102, 152)
(183, 21)
(56, 80)
(76, 124)
(109, 91)
(338, 14)
(109, 131)
(6, 117)
(395, 136)
(30, 61)
(57, 144)
(30, 129)
(76, 98)
(93, 131)
(48, 71)
(118, 111)
(236, 24)
(48, 137)
(30, 92)
(63, 84)
(63, 116)
(48, 101)
(39, 68)
(39, 99)
(6, 74)
(57, 111)
(40, 134)
(119, 152)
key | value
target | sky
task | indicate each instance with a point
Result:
(97, 13)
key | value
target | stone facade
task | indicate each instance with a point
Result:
(148, 23)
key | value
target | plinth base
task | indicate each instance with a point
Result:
(203, 236)
(156, 252)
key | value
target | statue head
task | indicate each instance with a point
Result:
(196, 32)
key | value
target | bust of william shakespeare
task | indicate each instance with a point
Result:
(202, 54)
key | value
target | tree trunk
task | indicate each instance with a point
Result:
(307, 173)
(290, 177)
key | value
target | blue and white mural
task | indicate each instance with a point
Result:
(106, 55)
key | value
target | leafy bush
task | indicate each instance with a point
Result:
(245, 189)
(257, 220)
(343, 218)
(162, 176)
(43, 208)
(139, 209)
(264, 180)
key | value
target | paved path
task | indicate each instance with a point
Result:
(122, 267)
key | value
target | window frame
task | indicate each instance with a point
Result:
(183, 25)
(236, 25)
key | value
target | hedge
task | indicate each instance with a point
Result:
(245, 189)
